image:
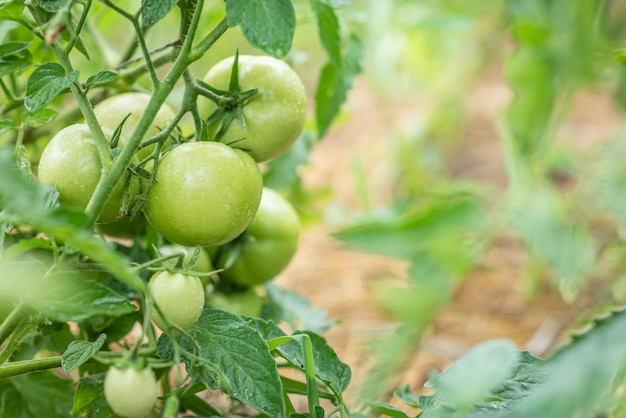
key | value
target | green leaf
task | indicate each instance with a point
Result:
(329, 30)
(503, 396)
(89, 398)
(267, 24)
(463, 386)
(39, 118)
(53, 5)
(239, 351)
(61, 295)
(14, 57)
(387, 409)
(45, 84)
(298, 311)
(579, 376)
(12, 10)
(102, 77)
(6, 125)
(334, 83)
(155, 10)
(553, 235)
(79, 352)
(46, 395)
(283, 171)
(328, 367)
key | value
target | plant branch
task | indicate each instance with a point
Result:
(17, 368)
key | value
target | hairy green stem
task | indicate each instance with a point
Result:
(25, 327)
(79, 26)
(17, 368)
(12, 321)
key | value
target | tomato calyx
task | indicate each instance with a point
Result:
(229, 103)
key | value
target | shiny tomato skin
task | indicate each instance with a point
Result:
(179, 296)
(71, 162)
(205, 193)
(274, 118)
(111, 112)
(130, 393)
(268, 244)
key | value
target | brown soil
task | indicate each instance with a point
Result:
(491, 302)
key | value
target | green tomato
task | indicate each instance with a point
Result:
(112, 111)
(267, 245)
(70, 161)
(246, 302)
(274, 117)
(130, 393)
(205, 193)
(179, 296)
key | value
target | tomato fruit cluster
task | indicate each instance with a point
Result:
(197, 193)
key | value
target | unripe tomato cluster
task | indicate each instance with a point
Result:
(206, 194)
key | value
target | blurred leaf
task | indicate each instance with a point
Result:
(267, 24)
(436, 236)
(39, 118)
(79, 351)
(102, 77)
(239, 351)
(14, 57)
(579, 376)
(387, 410)
(12, 10)
(564, 245)
(334, 82)
(45, 395)
(155, 10)
(6, 125)
(52, 5)
(60, 295)
(45, 84)
(297, 311)
(462, 385)
(283, 172)
(329, 30)
(89, 398)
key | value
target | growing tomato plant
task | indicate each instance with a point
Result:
(86, 156)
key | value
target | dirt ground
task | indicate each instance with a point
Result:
(491, 302)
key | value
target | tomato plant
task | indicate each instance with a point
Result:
(266, 246)
(70, 162)
(180, 299)
(86, 155)
(205, 193)
(130, 392)
(272, 120)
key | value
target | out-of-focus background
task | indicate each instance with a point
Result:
(472, 187)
